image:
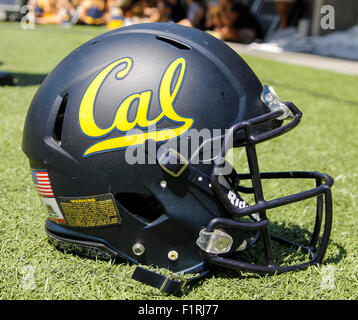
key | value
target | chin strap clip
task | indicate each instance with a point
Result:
(172, 284)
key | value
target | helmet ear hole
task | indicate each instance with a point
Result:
(144, 207)
(57, 129)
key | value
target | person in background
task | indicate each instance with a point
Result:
(179, 10)
(51, 11)
(162, 13)
(283, 8)
(142, 10)
(114, 15)
(92, 12)
(231, 21)
(45, 10)
(195, 16)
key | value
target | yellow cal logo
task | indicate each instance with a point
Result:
(168, 93)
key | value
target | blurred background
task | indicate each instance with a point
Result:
(323, 27)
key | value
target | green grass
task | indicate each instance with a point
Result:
(326, 141)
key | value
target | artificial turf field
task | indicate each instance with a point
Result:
(325, 141)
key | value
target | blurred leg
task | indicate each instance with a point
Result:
(283, 9)
(244, 35)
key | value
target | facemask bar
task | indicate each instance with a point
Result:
(321, 191)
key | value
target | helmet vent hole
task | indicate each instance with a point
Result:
(143, 206)
(57, 130)
(175, 43)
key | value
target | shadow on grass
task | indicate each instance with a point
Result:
(28, 79)
(284, 254)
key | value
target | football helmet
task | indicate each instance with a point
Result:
(129, 141)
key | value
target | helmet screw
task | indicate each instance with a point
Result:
(163, 184)
(138, 249)
(173, 255)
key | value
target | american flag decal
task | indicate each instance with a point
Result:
(42, 183)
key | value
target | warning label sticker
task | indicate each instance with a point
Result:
(93, 211)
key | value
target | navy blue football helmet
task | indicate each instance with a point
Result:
(128, 141)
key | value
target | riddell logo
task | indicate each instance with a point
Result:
(169, 89)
